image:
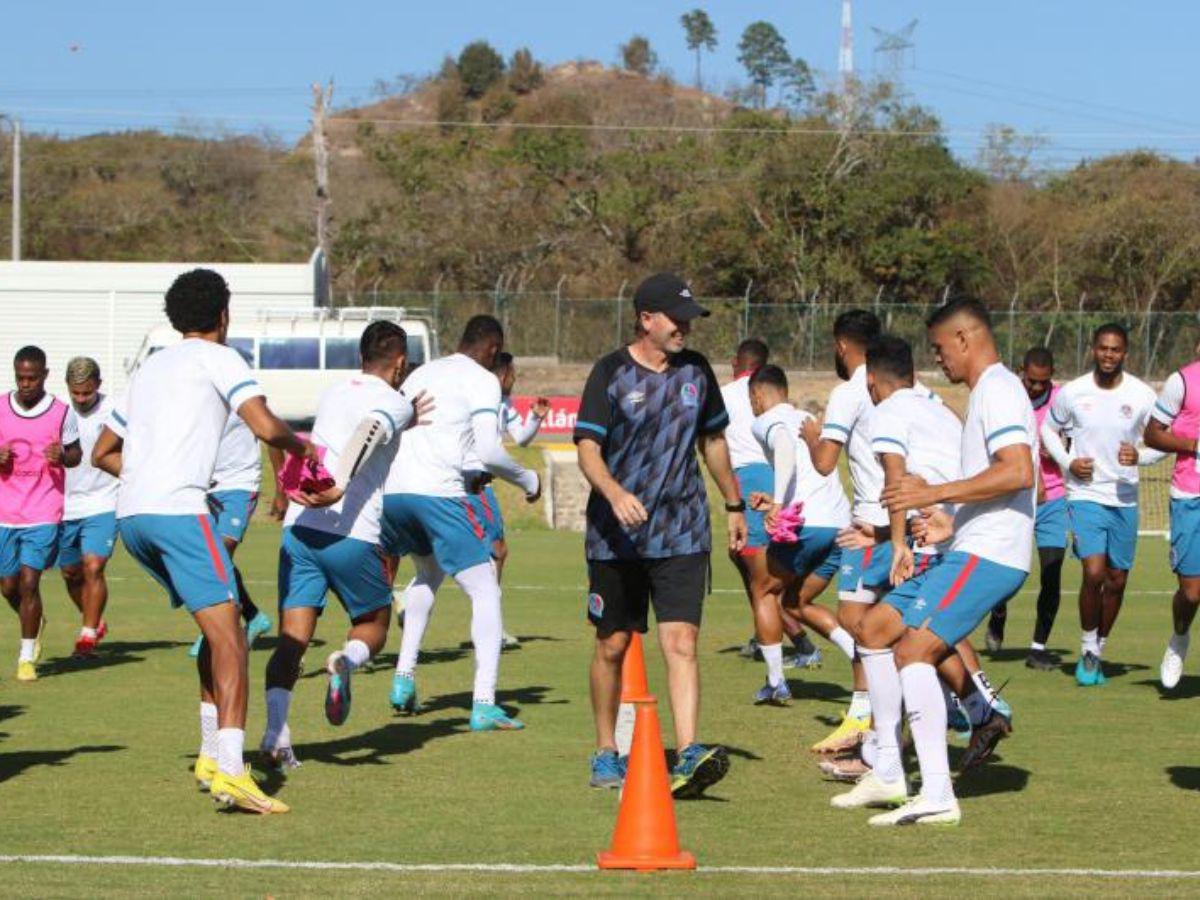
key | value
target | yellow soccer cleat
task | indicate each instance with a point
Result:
(205, 771)
(845, 737)
(37, 642)
(26, 670)
(243, 792)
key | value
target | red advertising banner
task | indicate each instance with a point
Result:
(561, 419)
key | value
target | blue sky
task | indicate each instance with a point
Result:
(1090, 76)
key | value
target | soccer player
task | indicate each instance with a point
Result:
(39, 439)
(1104, 413)
(1173, 428)
(918, 624)
(777, 427)
(89, 528)
(336, 548)
(645, 410)
(427, 511)
(232, 499)
(1050, 527)
(162, 441)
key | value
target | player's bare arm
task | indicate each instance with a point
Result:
(1158, 436)
(894, 470)
(1011, 471)
(626, 507)
(272, 430)
(106, 455)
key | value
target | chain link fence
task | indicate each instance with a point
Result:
(581, 330)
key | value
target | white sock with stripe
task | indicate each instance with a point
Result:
(927, 722)
(418, 607)
(479, 583)
(841, 637)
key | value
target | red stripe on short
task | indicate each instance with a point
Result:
(972, 562)
(750, 551)
(923, 564)
(487, 507)
(213, 553)
(867, 554)
(473, 519)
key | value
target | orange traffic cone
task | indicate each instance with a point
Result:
(634, 688)
(645, 838)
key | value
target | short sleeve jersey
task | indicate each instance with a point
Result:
(744, 449)
(647, 424)
(172, 418)
(341, 409)
(90, 491)
(825, 504)
(239, 462)
(999, 415)
(1180, 412)
(433, 458)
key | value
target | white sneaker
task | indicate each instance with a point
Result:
(871, 790)
(1171, 669)
(508, 642)
(919, 811)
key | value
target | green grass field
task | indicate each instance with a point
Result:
(94, 760)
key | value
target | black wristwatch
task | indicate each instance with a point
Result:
(740, 506)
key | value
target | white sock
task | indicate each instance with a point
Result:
(277, 734)
(27, 649)
(418, 607)
(208, 729)
(479, 583)
(773, 657)
(927, 722)
(1034, 645)
(87, 632)
(1100, 643)
(356, 652)
(230, 743)
(860, 705)
(869, 751)
(845, 643)
(1179, 643)
(883, 685)
(984, 687)
(1091, 642)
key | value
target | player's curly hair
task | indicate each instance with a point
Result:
(196, 300)
(381, 341)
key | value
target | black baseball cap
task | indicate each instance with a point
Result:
(669, 294)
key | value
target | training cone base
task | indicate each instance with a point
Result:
(609, 860)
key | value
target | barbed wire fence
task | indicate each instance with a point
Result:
(552, 325)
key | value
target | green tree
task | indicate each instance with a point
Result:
(524, 72)
(798, 84)
(479, 67)
(701, 36)
(638, 56)
(763, 53)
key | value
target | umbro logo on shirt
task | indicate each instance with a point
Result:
(636, 397)
(685, 293)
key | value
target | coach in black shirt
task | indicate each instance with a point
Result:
(645, 410)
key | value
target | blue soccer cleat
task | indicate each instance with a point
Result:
(1087, 671)
(957, 719)
(404, 694)
(608, 769)
(490, 717)
(777, 695)
(337, 694)
(194, 650)
(699, 767)
(257, 627)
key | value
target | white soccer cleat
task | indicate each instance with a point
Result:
(871, 790)
(919, 811)
(1171, 669)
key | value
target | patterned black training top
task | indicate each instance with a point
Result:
(647, 424)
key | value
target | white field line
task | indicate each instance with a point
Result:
(531, 869)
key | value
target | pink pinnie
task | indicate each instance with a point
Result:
(303, 475)
(788, 523)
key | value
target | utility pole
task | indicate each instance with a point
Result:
(15, 125)
(322, 96)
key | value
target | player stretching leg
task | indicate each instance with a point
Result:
(89, 528)
(427, 511)
(1104, 413)
(1173, 428)
(232, 499)
(777, 426)
(39, 436)
(918, 623)
(162, 441)
(336, 548)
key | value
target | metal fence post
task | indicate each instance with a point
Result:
(746, 310)
(558, 318)
(1079, 332)
(1012, 324)
(620, 298)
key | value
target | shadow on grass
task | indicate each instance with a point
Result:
(10, 711)
(1018, 654)
(824, 691)
(375, 747)
(16, 763)
(1187, 689)
(526, 696)
(992, 778)
(115, 653)
(1185, 777)
(1111, 669)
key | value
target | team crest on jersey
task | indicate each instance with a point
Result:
(1127, 411)
(595, 606)
(690, 394)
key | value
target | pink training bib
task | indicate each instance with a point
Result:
(1186, 477)
(32, 489)
(1051, 476)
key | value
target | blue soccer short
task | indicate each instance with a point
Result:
(864, 574)
(448, 528)
(312, 563)
(90, 536)
(1111, 530)
(1052, 524)
(185, 555)
(487, 511)
(233, 511)
(751, 478)
(808, 554)
(1185, 537)
(954, 593)
(33, 546)
(829, 567)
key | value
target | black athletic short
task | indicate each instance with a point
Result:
(620, 591)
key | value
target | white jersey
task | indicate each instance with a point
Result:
(917, 427)
(510, 423)
(172, 418)
(824, 500)
(239, 462)
(90, 491)
(744, 448)
(999, 415)
(433, 457)
(341, 409)
(1097, 421)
